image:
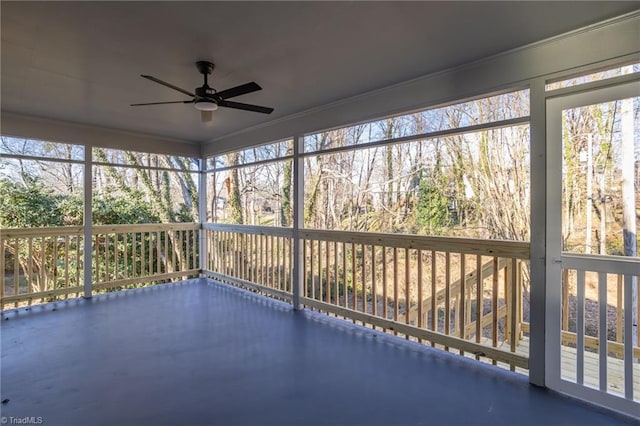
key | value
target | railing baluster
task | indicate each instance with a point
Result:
(354, 286)
(602, 329)
(385, 300)
(107, 253)
(395, 286)
(217, 261)
(305, 269)
(150, 247)
(363, 278)
(212, 261)
(312, 269)
(79, 256)
(462, 298)
(619, 308)
(224, 252)
(194, 244)
(16, 268)
(407, 287)
(248, 257)
(116, 258)
(251, 258)
(345, 296)
(479, 300)
(237, 261)
(261, 256)
(54, 262)
(513, 324)
(327, 249)
(30, 280)
(434, 291)
(565, 299)
(239, 255)
(280, 262)
(580, 330)
(167, 269)
(43, 265)
(229, 253)
(335, 273)
(290, 263)
(134, 255)
(628, 337)
(374, 288)
(420, 293)
(494, 306)
(320, 284)
(159, 252)
(272, 264)
(66, 263)
(447, 295)
(143, 256)
(125, 255)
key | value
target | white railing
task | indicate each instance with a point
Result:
(255, 257)
(404, 284)
(598, 324)
(39, 265)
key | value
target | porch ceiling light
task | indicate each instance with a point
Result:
(206, 105)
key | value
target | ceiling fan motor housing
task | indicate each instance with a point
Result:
(205, 92)
(204, 99)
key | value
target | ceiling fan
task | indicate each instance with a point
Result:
(207, 99)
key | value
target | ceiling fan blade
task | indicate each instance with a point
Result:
(246, 107)
(169, 85)
(162, 103)
(206, 116)
(238, 90)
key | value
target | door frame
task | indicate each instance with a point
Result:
(606, 91)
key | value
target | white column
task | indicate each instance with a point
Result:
(88, 221)
(202, 215)
(298, 219)
(538, 285)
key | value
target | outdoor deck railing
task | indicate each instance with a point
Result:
(405, 284)
(256, 257)
(40, 265)
(596, 326)
(461, 294)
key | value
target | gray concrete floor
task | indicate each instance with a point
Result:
(203, 353)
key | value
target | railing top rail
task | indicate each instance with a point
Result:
(250, 229)
(601, 263)
(6, 233)
(500, 248)
(145, 227)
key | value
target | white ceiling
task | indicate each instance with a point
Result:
(80, 61)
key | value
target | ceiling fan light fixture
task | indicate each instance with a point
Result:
(205, 105)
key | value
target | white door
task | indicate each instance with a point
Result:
(591, 326)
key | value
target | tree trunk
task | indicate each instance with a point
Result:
(285, 209)
(234, 192)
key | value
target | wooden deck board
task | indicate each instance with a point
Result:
(615, 368)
